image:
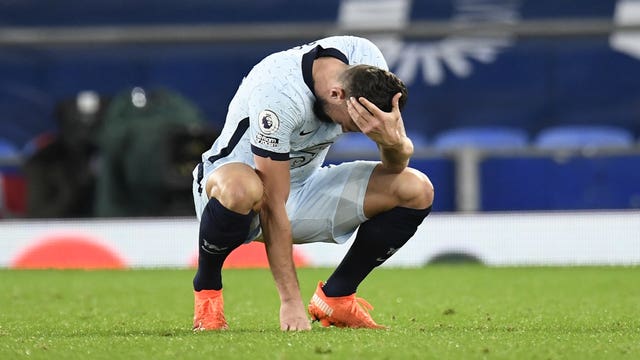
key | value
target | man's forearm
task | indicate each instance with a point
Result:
(278, 242)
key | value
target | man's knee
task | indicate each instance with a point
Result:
(241, 195)
(239, 189)
(416, 190)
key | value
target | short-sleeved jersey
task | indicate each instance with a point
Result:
(271, 114)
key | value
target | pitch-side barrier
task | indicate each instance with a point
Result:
(495, 239)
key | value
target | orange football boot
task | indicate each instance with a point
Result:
(342, 311)
(208, 311)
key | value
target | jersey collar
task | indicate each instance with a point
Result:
(318, 52)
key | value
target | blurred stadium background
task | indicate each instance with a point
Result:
(525, 115)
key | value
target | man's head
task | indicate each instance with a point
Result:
(375, 84)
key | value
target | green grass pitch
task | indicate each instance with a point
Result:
(436, 312)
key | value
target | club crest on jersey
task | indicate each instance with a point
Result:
(268, 122)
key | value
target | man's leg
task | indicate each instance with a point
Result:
(224, 225)
(396, 205)
(378, 238)
(221, 231)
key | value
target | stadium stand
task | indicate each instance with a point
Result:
(487, 137)
(548, 182)
(531, 83)
(585, 136)
(495, 91)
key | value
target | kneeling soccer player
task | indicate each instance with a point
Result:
(264, 179)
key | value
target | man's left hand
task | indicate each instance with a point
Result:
(385, 128)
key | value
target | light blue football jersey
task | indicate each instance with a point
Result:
(271, 114)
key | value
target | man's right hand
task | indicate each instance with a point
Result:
(293, 316)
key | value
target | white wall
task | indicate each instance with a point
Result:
(549, 238)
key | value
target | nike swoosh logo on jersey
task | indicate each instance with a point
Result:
(303, 133)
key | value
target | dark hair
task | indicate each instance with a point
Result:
(375, 84)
